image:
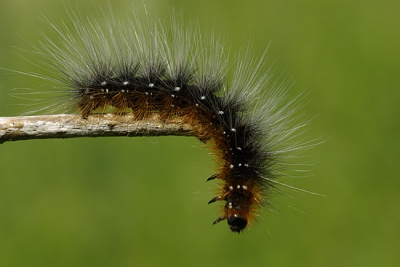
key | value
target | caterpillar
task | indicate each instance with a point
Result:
(145, 67)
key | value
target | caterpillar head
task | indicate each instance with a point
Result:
(237, 223)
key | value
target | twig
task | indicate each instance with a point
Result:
(97, 125)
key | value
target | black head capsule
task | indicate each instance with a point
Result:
(237, 223)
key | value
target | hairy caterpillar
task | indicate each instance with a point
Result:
(145, 68)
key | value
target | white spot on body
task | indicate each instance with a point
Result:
(203, 97)
(220, 112)
(151, 85)
(231, 188)
(103, 83)
(177, 89)
(231, 166)
(244, 187)
(125, 83)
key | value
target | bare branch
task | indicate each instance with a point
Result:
(97, 125)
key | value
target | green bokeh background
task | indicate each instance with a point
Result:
(142, 201)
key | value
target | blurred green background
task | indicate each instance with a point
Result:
(143, 201)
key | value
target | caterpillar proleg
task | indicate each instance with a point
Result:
(142, 68)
